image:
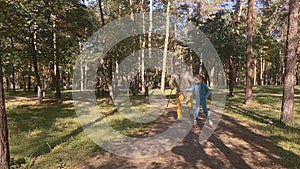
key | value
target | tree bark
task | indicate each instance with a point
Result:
(283, 41)
(35, 65)
(143, 46)
(56, 73)
(150, 29)
(82, 72)
(13, 78)
(231, 76)
(250, 60)
(238, 10)
(24, 83)
(29, 76)
(199, 4)
(101, 12)
(262, 69)
(163, 74)
(287, 109)
(110, 76)
(131, 9)
(13, 66)
(255, 72)
(235, 20)
(85, 75)
(4, 142)
(7, 84)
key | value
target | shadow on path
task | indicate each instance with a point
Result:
(232, 145)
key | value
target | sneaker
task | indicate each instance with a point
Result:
(195, 122)
(210, 122)
(178, 120)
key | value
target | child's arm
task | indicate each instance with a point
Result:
(208, 91)
(189, 89)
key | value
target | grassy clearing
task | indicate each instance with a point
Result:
(264, 114)
(47, 136)
(50, 136)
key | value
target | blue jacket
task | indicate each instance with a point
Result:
(201, 91)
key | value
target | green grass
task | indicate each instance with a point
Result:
(50, 136)
(44, 136)
(264, 114)
(267, 89)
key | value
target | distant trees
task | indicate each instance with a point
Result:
(42, 38)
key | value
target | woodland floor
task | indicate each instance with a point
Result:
(232, 145)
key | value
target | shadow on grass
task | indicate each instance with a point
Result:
(49, 146)
(289, 159)
(262, 118)
(28, 117)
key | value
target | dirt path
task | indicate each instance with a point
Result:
(232, 145)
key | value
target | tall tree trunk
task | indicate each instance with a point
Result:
(35, 65)
(150, 29)
(163, 74)
(262, 69)
(13, 78)
(250, 60)
(199, 4)
(24, 83)
(7, 84)
(101, 12)
(231, 76)
(297, 74)
(81, 68)
(110, 76)
(149, 39)
(212, 74)
(4, 143)
(13, 66)
(131, 2)
(201, 65)
(238, 10)
(29, 76)
(175, 45)
(131, 9)
(255, 72)
(283, 41)
(143, 45)
(85, 75)
(235, 20)
(56, 74)
(287, 109)
(82, 72)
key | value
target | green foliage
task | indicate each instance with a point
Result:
(75, 22)
(227, 40)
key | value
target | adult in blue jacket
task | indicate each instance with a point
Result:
(201, 94)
